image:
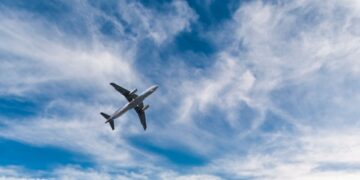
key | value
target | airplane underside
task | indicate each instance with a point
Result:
(134, 102)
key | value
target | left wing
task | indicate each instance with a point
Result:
(124, 92)
(141, 113)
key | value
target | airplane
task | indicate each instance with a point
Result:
(134, 102)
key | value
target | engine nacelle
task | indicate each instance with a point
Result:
(133, 91)
(145, 107)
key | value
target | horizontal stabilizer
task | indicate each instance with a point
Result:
(105, 115)
(111, 122)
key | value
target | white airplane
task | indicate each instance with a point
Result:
(135, 101)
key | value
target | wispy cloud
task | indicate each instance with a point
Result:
(39, 59)
(279, 100)
(292, 59)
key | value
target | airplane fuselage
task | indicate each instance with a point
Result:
(134, 103)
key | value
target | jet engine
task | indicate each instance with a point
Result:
(133, 92)
(145, 107)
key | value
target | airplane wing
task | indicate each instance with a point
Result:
(141, 114)
(124, 92)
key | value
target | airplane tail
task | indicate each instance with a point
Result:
(111, 122)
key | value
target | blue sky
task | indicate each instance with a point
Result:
(247, 89)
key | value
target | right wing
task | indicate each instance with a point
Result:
(124, 92)
(141, 114)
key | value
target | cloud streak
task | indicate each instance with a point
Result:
(279, 101)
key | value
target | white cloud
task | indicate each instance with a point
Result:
(143, 22)
(171, 175)
(306, 50)
(37, 51)
(283, 45)
(7, 172)
(155, 173)
(299, 158)
(36, 54)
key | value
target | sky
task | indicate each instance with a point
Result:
(248, 89)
